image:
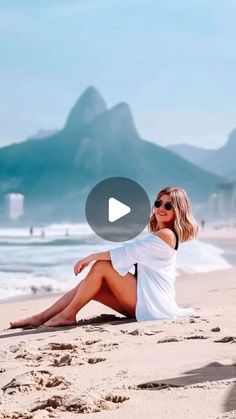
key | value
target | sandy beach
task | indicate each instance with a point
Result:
(112, 367)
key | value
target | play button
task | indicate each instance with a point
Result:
(117, 209)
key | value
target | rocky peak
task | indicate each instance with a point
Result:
(231, 143)
(116, 123)
(88, 106)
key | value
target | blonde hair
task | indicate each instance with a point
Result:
(185, 224)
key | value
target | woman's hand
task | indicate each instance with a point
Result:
(82, 264)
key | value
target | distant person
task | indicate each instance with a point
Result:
(42, 234)
(203, 224)
(31, 231)
(110, 282)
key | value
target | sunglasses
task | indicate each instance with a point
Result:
(167, 205)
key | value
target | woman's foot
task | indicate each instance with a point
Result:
(34, 321)
(61, 320)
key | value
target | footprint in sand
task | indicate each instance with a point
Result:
(195, 337)
(96, 329)
(88, 403)
(66, 360)
(200, 319)
(216, 329)
(29, 356)
(102, 318)
(60, 346)
(95, 360)
(122, 374)
(63, 361)
(92, 342)
(54, 350)
(152, 332)
(226, 339)
(106, 347)
(85, 403)
(152, 384)
(180, 339)
(169, 339)
(15, 348)
(140, 332)
(135, 332)
(73, 352)
(227, 415)
(34, 380)
(51, 403)
(16, 415)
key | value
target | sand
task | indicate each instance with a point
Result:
(112, 367)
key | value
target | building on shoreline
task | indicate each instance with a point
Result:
(15, 205)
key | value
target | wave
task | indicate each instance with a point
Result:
(198, 257)
(80, 229)
(31, 265)
(53, 242)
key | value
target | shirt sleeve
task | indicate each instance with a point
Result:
(140, 251)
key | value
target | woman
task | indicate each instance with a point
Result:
(149, 294)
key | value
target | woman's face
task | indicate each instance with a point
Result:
(164, 216)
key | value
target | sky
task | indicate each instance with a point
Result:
(174, 63)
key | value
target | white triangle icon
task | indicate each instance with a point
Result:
(116, 209)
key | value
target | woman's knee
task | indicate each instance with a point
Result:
(100, 266)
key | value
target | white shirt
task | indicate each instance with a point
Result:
(156, 277)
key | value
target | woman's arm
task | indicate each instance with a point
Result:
(83, 263)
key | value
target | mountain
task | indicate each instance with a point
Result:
(56, 173)
(41, 133)
(220, 161)
(194, 154)
(88, 106)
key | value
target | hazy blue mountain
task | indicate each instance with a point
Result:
(42, 133)
(220, 161)
(88, 106)
(191, 153)
(56, 173)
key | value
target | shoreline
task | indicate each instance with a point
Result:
(29, 297)
(217, 234)
(180, 276)
(222, 238)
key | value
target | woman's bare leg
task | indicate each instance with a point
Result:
(107, 298)
(42, 317)
(124, 289)
(104, 296)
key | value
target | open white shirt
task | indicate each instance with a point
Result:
(156, 277)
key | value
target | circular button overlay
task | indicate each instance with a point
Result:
(117, 209)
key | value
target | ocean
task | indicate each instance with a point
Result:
(44, 261)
